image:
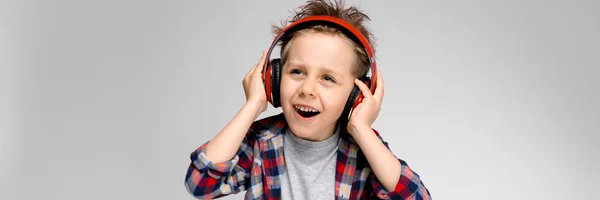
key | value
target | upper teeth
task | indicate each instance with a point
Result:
(305, 109)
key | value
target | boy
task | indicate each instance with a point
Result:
(311, 150)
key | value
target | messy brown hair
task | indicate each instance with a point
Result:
(336, 9)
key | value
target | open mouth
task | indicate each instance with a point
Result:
(306, 112)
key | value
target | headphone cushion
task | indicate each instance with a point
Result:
(276, 81)
(349, 103)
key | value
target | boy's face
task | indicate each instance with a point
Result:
(317, 76)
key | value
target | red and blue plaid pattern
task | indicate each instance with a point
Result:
(258, 163)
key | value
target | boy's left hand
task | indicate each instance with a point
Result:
(367, 110)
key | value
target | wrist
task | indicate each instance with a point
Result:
(253, 107)
(358, 129)
(363, 135)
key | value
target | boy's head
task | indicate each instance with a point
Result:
(319, 65)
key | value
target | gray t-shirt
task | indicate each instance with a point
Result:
(309, 171)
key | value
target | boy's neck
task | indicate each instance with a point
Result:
(322, 136)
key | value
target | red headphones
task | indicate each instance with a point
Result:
(272, 69)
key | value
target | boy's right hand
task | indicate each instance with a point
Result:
(253, 86)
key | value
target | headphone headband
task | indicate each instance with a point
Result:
(347, 28)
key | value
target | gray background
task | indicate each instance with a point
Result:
(107, 99)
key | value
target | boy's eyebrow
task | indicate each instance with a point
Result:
(328, 70)
(321, 68)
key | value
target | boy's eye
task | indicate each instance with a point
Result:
(295, 71)
(329, 78)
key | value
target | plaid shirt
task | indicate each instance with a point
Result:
(257, 167)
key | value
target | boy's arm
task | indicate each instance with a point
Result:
(207, 180)
(392, 177)
(224, 145)
(390, 173)
(222, 166)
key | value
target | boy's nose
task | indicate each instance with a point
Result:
(307, 89)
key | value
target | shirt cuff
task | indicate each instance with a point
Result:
(408, 185)
(214, 170)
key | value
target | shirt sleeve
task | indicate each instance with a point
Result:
(207, 180)
(409, 186)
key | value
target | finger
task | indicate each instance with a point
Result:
(363, 88)
(251, 70)
(379, 91)
(261, 63)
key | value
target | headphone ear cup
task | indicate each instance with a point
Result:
(267, 81)
(359, 97)
(349, 104)
(276, 81)
(353, 100)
